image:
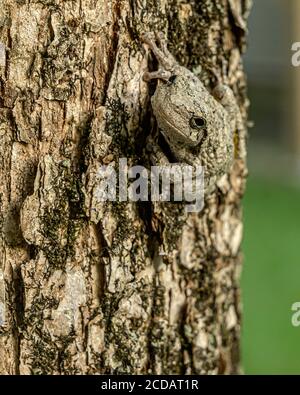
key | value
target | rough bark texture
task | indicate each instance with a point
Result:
(84, 286)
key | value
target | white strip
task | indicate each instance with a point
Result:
(2, 55)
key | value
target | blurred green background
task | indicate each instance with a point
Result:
(271, 275)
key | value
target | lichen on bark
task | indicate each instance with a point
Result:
(116, 287)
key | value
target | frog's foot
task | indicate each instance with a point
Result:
(157, 44)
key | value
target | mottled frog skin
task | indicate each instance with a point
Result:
(198, 125)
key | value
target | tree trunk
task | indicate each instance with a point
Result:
(110, 287)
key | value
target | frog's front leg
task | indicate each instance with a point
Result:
(159, 74)
(174, 170)
(167, 63)
(157, 157)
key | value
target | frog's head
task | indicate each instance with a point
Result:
(184, 109)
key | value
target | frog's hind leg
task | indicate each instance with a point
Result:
(226, 97)
(163, 56)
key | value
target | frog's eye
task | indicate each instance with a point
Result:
(172, 79)
(197, 123)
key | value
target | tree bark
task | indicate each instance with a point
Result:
(114, 287)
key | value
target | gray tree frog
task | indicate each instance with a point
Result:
(198, 126)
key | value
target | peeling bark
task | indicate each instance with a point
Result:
(84, 286)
